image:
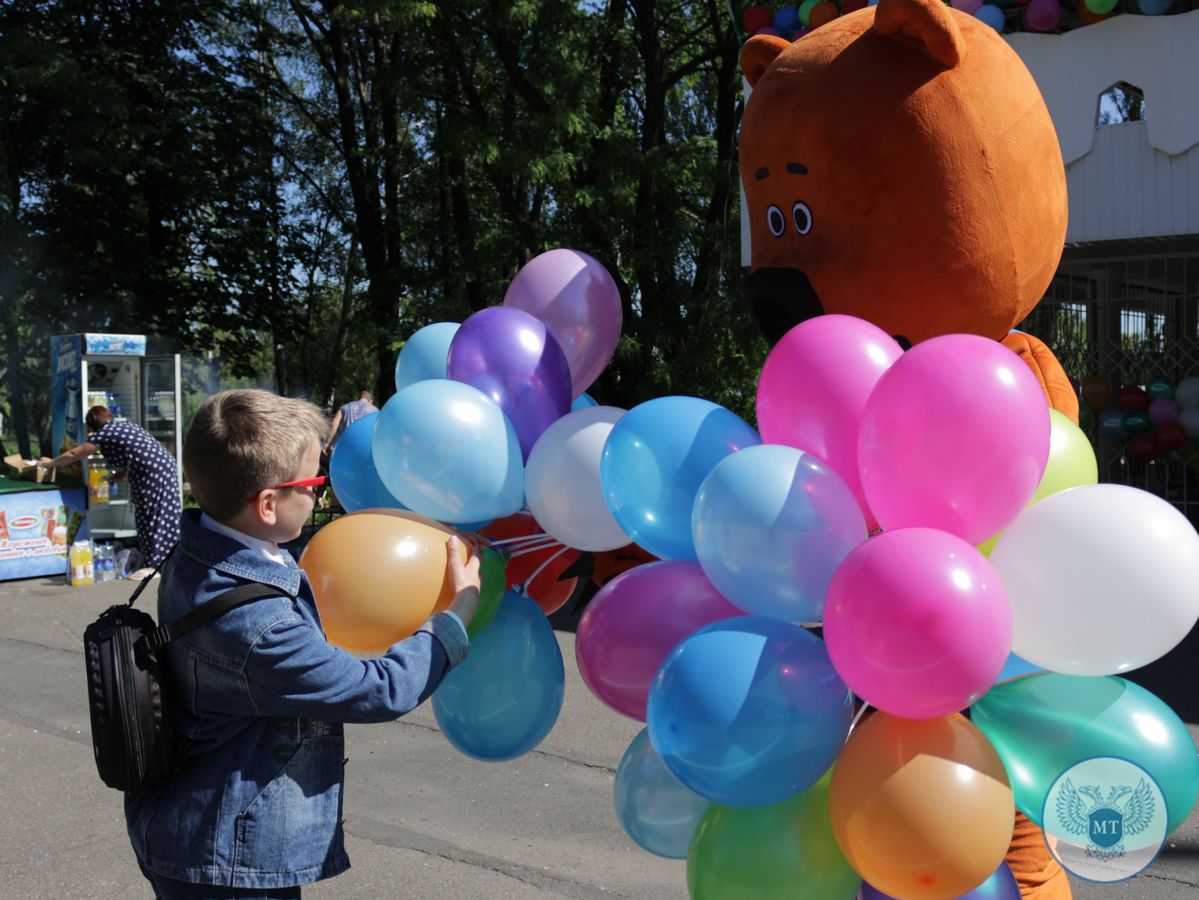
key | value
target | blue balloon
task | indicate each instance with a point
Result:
(582, 401)
(1155, 7)
(1111, 424)
(352, 470)
(446, 450)
(748, 711)
(1000, 886)
(992, 15)
(1016, 667)
(786, 19)
(655, 460)
(505, 698)
(657, 812)
(423, 355)
(771, 524)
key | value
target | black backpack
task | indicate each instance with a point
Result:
(127, 686)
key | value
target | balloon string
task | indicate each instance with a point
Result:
(538, 548)
(519, 539)
(541, 568)
(857, 718)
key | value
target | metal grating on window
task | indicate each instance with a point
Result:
(1129, 319)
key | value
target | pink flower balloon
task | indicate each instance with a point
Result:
(917, 623)
(955, 437)
(634, 622)
(815, 384)
(579, 302)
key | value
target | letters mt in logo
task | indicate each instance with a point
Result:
(1105, 820)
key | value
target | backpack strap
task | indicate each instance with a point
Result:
(206, 612)
(142, 584)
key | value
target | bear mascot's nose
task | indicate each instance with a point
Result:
(779, 299)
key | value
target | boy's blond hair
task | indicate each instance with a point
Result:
(244, 441)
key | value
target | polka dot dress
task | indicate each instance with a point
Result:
(154, 481)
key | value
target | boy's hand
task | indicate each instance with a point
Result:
(465, 580)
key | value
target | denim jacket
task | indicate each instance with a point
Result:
(259, 701)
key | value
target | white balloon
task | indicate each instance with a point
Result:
(562, 480)
(1187, 392)
(1189, 420)
(1102, 578)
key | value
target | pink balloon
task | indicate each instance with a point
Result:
(633, 623)
(580, 304)
(968, 6)
(1041, 15)
(814, 386)
(955, 436)
(917, 623)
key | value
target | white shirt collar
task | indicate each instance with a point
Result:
(263, 548)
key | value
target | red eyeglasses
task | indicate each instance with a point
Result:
(303, 482)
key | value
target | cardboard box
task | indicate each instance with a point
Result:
(28, 468)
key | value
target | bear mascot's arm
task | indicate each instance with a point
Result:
(1048, 370)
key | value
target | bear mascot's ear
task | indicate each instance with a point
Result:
(758, 53)
(928, 22)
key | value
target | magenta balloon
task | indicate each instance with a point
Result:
(633, 623)
(814, 386)
(917, 623)
(511, 357)
(1041, 15)
(954, 437)
(578, 300)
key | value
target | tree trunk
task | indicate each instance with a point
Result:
(343, 326)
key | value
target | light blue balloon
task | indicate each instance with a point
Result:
(655, 460)
(424, 354)
(352, 470)
(770, 525)
(446, 450)
(582, 401)
(1016, 667)
(992, 15)
(748, 711)
(657, 812)
(505, 698)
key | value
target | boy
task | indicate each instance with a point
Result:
(260, 695)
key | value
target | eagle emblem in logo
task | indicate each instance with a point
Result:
(1105, 820)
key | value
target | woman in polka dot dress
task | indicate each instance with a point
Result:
(153, 480)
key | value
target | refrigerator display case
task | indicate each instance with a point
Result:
(113, 370)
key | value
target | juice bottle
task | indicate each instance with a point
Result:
(82, 565)
(97, 479)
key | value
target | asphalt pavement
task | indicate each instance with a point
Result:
(423, 820)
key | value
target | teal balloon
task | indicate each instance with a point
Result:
(582, 401)
(505, 697)
(423, 355)
(657, 812)
(352, 470)
(447, 451)
(1136, 423)
(1086, 417)
(654, 461)
(1043, 724)
(1160, 387)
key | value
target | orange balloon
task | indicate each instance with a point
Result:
(1097, 392)
(922, 809)
(822, 13)
(377, 574)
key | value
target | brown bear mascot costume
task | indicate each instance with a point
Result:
(900, 166)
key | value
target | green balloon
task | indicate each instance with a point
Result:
(805, 11)
(494, 574)
(1161, 388)
(1044, 724)
(1086, 417)
(781, 851)
(1099, 7)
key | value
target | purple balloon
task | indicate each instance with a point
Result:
(578, 301)
(1163, 410)
(634, 622)
(1000, 886)
(1041, 15)
(512, 357)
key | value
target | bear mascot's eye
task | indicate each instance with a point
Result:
(802, 216)
(775, 221)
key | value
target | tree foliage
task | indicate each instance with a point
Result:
(301, 184)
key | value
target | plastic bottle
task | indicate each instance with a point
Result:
(97, 479)
(82, 564)
(106, 569)
(115, 408)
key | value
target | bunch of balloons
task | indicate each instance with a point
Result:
(948, 533)
(793, 21)
(1154, 419)
(489, 415)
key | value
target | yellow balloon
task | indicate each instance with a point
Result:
(1071, 464)
(377, 574)
(922, 809)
